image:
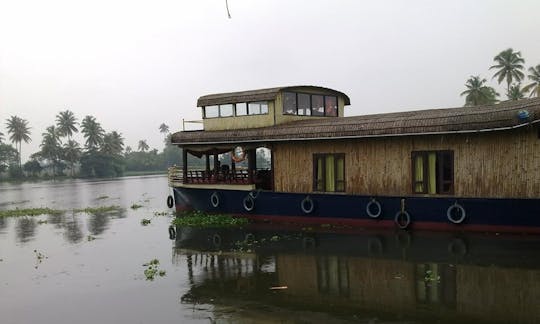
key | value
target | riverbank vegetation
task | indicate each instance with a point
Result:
(101, 154)
(18, 212)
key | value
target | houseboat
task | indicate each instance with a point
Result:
(289, 154)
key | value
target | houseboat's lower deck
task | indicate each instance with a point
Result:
(425, 213)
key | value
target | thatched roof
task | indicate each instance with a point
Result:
(261, 95)
(502, 116)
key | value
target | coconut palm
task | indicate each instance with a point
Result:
(1, 137)
(143, 146)
(113, 143)
(51, 146)
(515, 92)
(163, 128)
(92, 132)
(19, 132)
(534, 86)
(478, 93)
(66, 121)
(509, 67)
(72, 152)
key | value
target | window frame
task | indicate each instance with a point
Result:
(440, 181)
(311, 114)
(234, 111)
(337, 182)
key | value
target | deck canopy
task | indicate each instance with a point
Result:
(504, 116)
(260, 95)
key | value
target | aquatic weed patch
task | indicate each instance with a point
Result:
(136, 206)
(145, 221)
(17, 212)
(97, 210)
(252, 242)
(152, 270)
(39, 258)
(201, 219)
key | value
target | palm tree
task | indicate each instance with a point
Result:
(19, 132)
(515, 92)
(163, 128)
(509, 66)
(72, 152)
(1, 137)
(92, 132)
(66, 121)
(113, 143)
(51, 148)
(534, 86)
(143, 146)
(478, 93)
(128, 149)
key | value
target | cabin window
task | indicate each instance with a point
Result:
(241, 109)
(226, 110)
(329, 172)
(211, 111)
(433, 172)
(304, 104)
(258, 108)
(289, 103)
(330, 106)
(317, 105)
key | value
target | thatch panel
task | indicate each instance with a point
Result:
(503, 295)
(485, 164)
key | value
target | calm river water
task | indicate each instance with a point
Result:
(88, 267)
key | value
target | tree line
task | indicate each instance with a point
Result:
(102, 154)
(509, 68)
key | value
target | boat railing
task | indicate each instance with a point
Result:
(237, 176)
(176, 176)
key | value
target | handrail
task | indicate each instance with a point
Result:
(176, 177)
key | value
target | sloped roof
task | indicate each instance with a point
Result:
(421, 122)
(260, 95)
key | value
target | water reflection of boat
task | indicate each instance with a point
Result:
(389, 275)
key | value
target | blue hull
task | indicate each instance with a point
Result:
(491, 215)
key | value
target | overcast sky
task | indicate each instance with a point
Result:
(136, 64)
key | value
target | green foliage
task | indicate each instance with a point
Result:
(145, 221)
(29, 212)
(8, 156)
(97, 210)
(509, 65)
(98, 164)
(136, 206)
(478, 93)
(534, 86)
(515, 92)
(33, 167)
(201, 219)
(19, 131)
(152, 270)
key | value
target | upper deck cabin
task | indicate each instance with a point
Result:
(268, 107)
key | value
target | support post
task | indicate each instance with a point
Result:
(252, 164)
(184, 165)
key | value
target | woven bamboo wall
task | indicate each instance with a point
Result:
(495, 164)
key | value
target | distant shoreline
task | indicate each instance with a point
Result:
(62, 178)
